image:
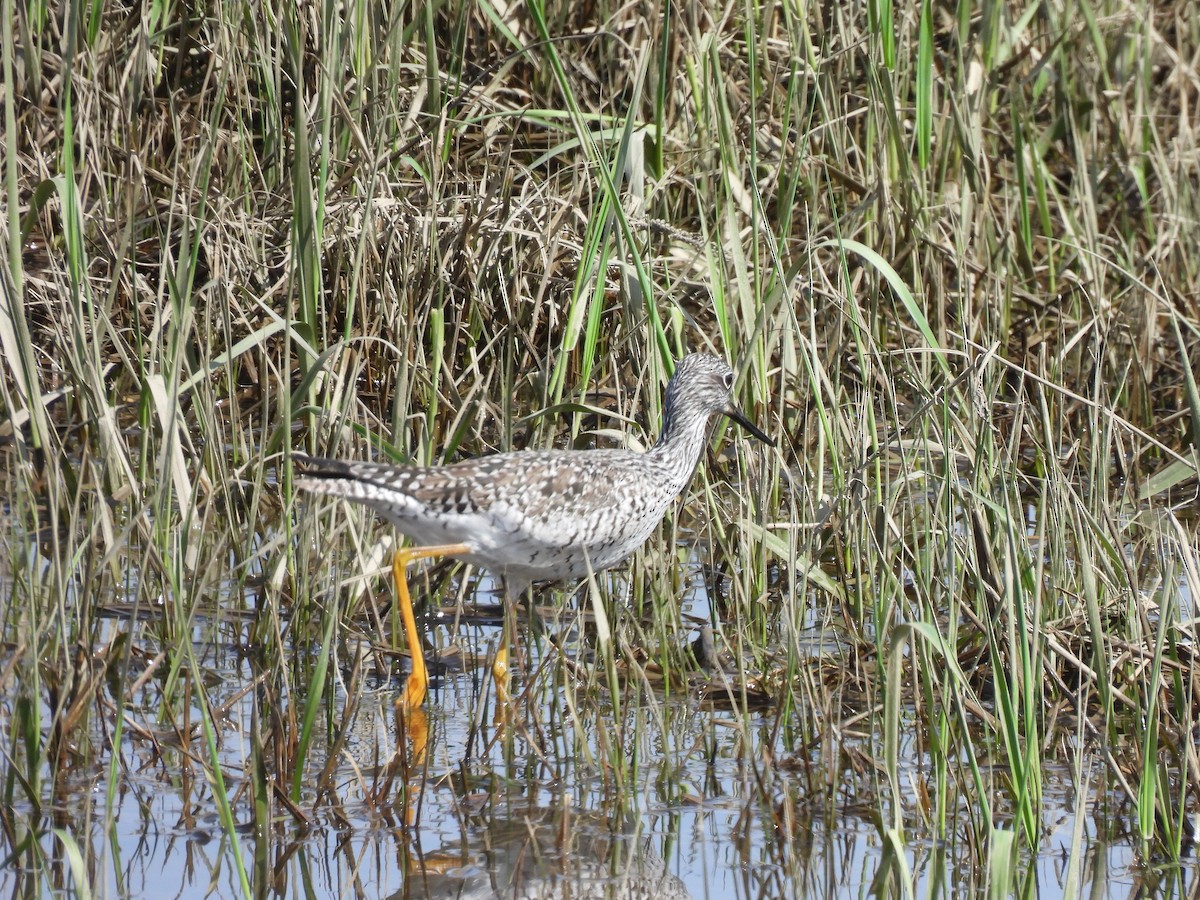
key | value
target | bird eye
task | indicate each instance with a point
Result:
(728, 379)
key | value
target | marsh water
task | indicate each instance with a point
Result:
(663, 793)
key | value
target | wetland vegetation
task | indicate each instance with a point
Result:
(940, 641)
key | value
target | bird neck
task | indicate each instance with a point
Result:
(682, 439)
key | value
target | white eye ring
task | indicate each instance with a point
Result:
(728, 379)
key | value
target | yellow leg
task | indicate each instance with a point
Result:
(500, 672)
(418, 681)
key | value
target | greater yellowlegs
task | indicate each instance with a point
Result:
(536, 515)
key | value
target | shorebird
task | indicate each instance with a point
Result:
(535, 515)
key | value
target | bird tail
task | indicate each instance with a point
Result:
(338, 478)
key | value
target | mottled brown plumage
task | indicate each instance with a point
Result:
(535, 515)
(551, 514)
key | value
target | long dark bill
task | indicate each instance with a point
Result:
(740, 417)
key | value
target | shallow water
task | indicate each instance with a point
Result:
(565, 797)
(512, 829)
